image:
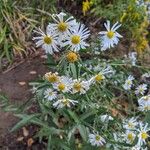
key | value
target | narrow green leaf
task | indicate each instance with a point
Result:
(25, 120)
(83, 132)
(49, 143)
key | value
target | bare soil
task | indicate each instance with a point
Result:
(15, 84)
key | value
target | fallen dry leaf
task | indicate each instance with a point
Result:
(22, 83)
(19, 139)
(33, 72)
(30, 142)
(25, 132)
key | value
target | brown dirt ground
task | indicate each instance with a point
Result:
(27, 71)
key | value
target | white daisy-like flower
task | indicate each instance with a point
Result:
(141, 89)
(144, 100)
(47, 40)
(130, 124)
(136, 147)
(97, 78)
(101, 75)
(144, 103)
(128, 83)
(80, 86)
(50, 94)
(144, 107)
(76, 38)
(64, 84)
(106, 118)
(110, 37)
(129, 136)
(142, 134)
(146, 75)
(62, 25)
(96, 140)
(52, 77)
(132, 57)
(64, 102)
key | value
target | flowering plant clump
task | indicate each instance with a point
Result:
(81, 102)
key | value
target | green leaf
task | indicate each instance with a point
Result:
(73, 70)
(74, 116)
(71, 132)
(2, 34)
(147, 117)
(49, 143)
(83, 132)
(25, 120)
(87, 114)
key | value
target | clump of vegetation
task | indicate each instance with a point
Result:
(91, 104)
(17, 21)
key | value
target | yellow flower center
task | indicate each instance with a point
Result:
(144, 135)
(130, 137)
(99, 77)
(52, 78)
(65, 102)
(72, 57)
(110, 34)
(75, 39)
(141, 90)
(62, 26)
(61, 86)
(146, 98)
(97, 137)
(47, 40)
(77, 86)
(50, 93)
(129, 82)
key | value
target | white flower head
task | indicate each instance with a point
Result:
(96, 140)
(142, 134)
(132, 57)
(107, 70)
(144, 107)
(129, 136)
(64, 102)
(50, 94)
(110, 37)
(80, 86)
(64, 84)
(136, 147)
(97, 78)
(146, 75)
(141, 89)
(62, 25)
(47, 40)
(130, 124)
(52, 77)
(76, 38)
(106, 118)
(144, 100)
(128, 83)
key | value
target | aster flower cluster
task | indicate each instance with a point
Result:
(67, 32)
(63, 32)
(140, 92)
(134, 132)
(61, 85)
(79, 101)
